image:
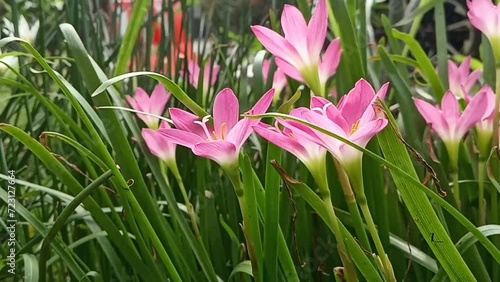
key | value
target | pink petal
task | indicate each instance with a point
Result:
(266, 65)
(331, 111)
(243, 128)
(180, 137)
(289, 70)
(295, 29)
(186, 121)
(321, 121)
(277, 45)
(470, 81)
(450, 108)
(279, 81)
(284, 142)
(222, 152)
(331, 60)
(473, 113)
(159, 99)
(434, 117)
(263, 104)
(361, 138)
(226, 110)
(354, 104)
(483, 16)
(158, 144)
(194, 73)
(317, 29)
(142, 98)
(133, 103)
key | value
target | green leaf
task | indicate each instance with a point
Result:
(170, 85)
(244, 267)
(357, 254)
(30, 268)
(428, 70)
(467, 241)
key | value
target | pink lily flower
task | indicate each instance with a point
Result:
(298, 54)
(158, 144)
(154, 104)
(210, 74)
(294, 141)
(451, 125)
(484, 128)
(222, 141)
(279, 79)
(484, 15)
(461, 79)
(353, 119)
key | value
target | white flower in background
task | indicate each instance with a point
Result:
(26, 32)
(9, 60)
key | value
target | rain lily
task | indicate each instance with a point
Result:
(158, 144)
(295, 142)
(298, 54)
(461, 79)
(484, 15)
(279, 79)
(26, 32)
(222, 141)
(451, 125)
(210, 74)
(354, 119)
(154, 104)
(484, 128)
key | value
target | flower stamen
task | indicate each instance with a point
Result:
(203, 124)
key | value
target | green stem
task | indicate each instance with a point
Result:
(356, 179)
(353, 207)
(319, 175)
(234, 177)
(481, 175)
(190, 209)
(456, 188)
(61, 220)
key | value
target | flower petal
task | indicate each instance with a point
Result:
(483, 16)
(289, 70)
(434, 117)
(355, 103)
(331, 60)
(158, 144)
(222, 152)
(180, 137)
(295, 29)
(317, 29)
(277, 45)
(159, 99)
(449, 106)
(472, 114)
(226, 110)
(186, 121)
(286, 143)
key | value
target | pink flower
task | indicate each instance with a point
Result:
(448, 123)
(484, 128)
(451, 125)
(294, 141)
(158, 144)
(298, 54)
(461, 79)
(210, 74)
(279, 79)
(353, 119)
(154, 104)
(222, 141)
(485, 16)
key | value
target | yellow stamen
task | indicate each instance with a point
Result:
(214, 134)
(354, 128)
(223, 129)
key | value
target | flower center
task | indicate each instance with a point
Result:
(354, 128)
(203, 124)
